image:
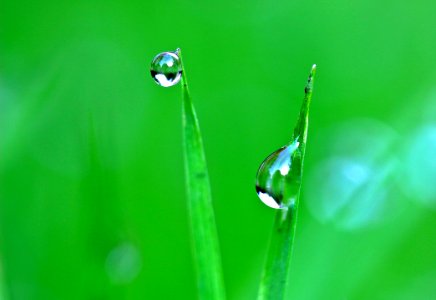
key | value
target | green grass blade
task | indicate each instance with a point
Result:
(203, 228)
(275, 274)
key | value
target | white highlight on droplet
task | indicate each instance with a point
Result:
(283, 161)
(163, 80)
(169, 59)
(268, 200)
(284, 170)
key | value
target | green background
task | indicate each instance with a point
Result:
(92, 198)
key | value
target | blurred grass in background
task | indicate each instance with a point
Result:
(92, 199)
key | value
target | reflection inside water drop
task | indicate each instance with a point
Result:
(272, 175)
(166, 69)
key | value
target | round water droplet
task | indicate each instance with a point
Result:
(272, 176)
(166, 69)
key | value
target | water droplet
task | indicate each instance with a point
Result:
(273, 175)
(166, 68)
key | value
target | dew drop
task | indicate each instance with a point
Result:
(273, 174)
(166, 69)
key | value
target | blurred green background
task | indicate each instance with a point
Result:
(92, 198)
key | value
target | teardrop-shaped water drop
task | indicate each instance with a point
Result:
(273, 175)
(166, 69)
